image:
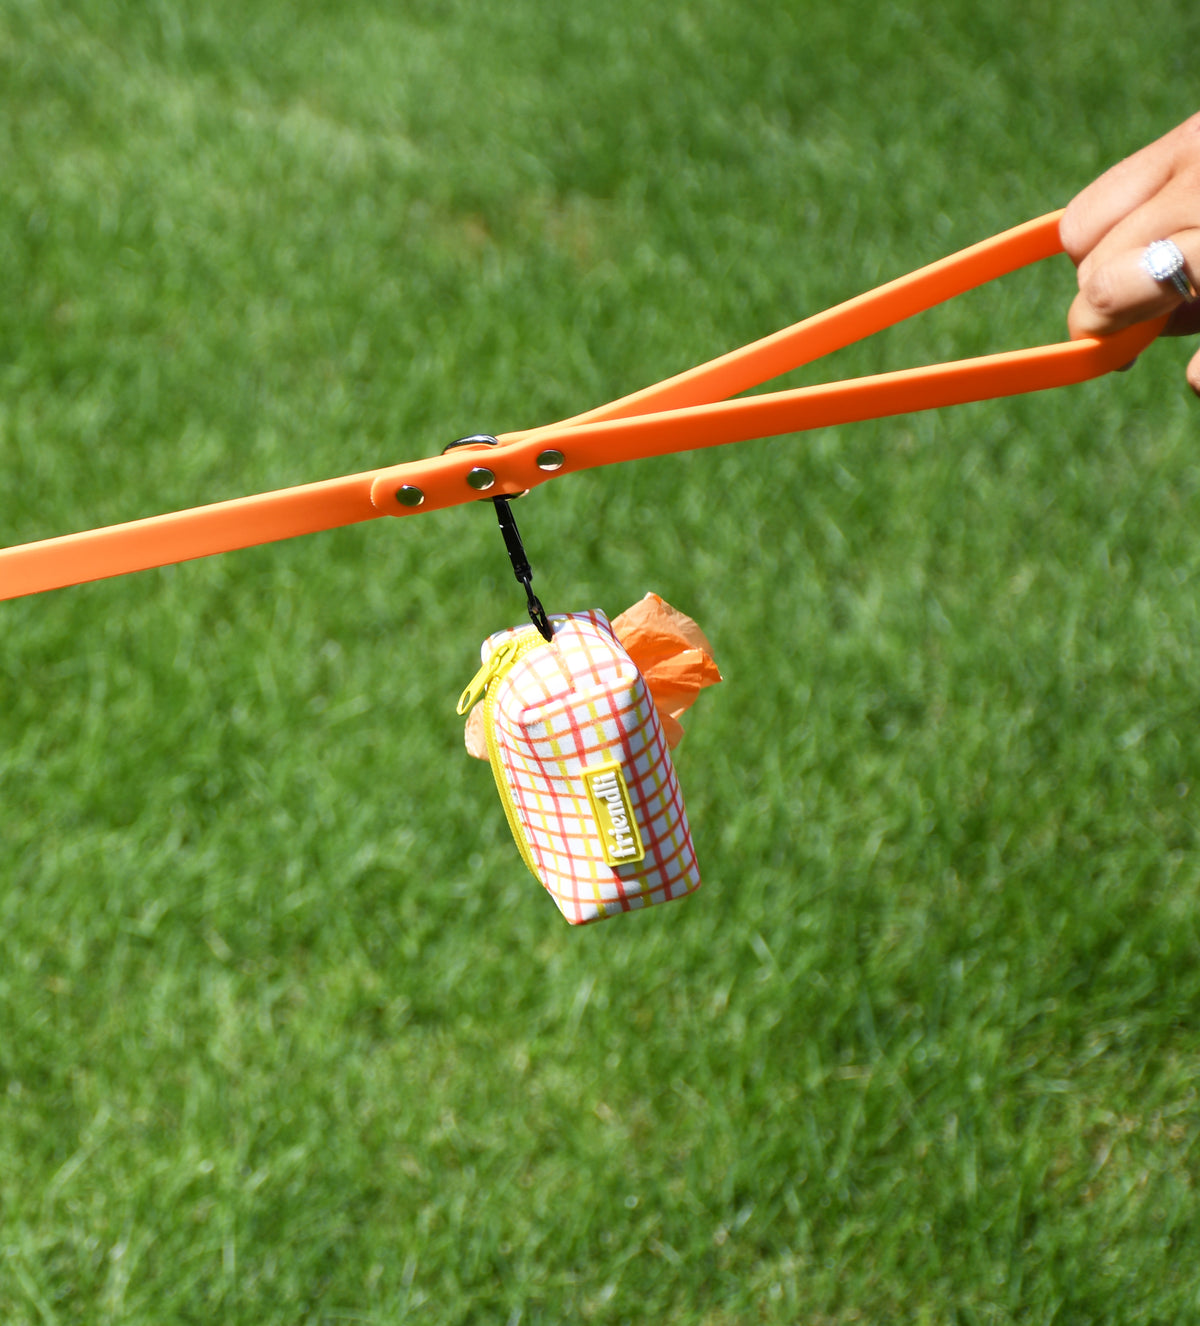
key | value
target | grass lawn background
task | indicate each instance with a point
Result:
(286, 1032)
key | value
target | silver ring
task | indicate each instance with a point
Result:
(1164, 261)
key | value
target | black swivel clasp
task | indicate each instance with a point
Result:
(512, 541)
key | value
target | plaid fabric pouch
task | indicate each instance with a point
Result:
(582, 767)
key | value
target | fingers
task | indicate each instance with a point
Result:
(1107, 200)
(1152, 195)
(1115, 290)
(1128, 186)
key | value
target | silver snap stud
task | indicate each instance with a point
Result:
(480, 478)
(408, 495)
(551, 460)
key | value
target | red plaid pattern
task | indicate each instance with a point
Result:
(565, 708)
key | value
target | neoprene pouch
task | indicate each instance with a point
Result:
(582, 766)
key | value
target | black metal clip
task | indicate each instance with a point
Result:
(512, 540)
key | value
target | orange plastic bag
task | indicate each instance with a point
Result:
(671, 652)
(673, 655)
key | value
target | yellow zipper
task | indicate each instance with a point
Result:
(485, 683)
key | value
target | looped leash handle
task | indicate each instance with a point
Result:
(682, 413)
(690, 410)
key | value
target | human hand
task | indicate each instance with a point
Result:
(1154, 194)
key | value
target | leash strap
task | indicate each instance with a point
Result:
(682, 413)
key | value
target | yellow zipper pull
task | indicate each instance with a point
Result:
(497, 662)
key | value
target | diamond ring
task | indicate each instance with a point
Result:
(1163, 260)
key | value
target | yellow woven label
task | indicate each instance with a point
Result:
(620, 840)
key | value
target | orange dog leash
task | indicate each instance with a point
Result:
(682, 413)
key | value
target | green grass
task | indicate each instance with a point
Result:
(286, 1033)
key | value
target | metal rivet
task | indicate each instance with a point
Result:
(480, 478)
(409, 496)
(551, 460)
